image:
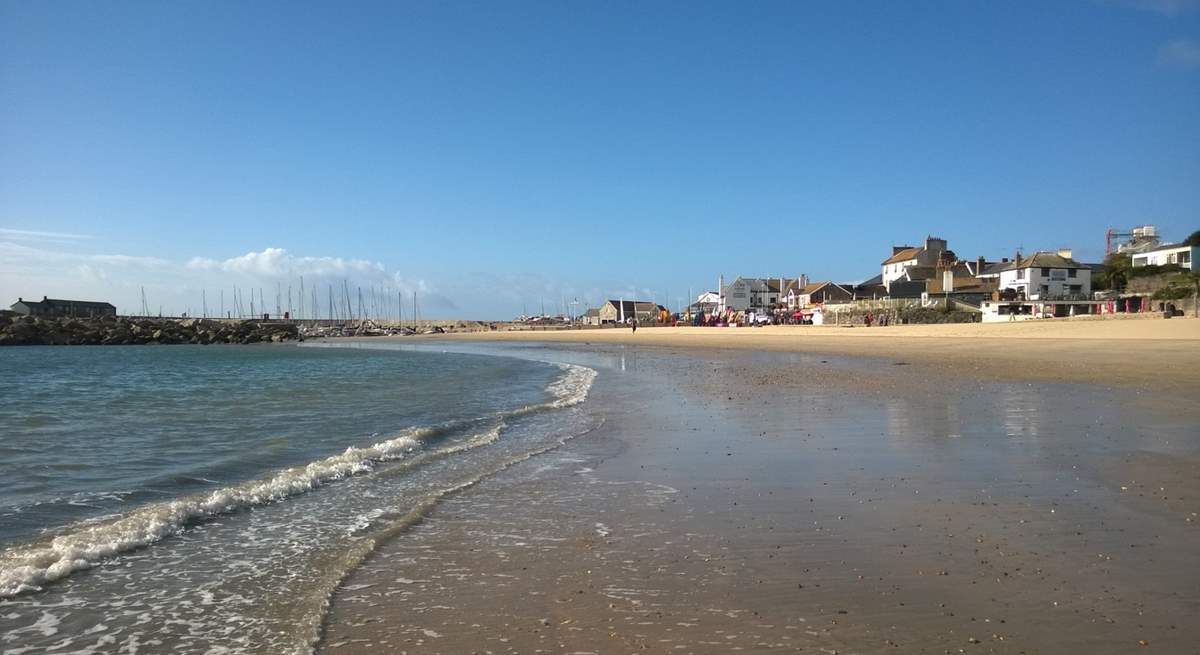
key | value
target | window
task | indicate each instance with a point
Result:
(1045, 272)
(1071, 272)
(1020, 274)
(1185, 257)
(1076, 288)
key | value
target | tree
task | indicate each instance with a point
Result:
(1114, 274)
(1193, 239)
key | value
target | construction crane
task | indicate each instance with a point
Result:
(1138, 239)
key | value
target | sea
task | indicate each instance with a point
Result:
(193, 499)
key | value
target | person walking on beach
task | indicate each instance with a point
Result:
(633, 323)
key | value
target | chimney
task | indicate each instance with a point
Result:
(1065, 253)
(1017, 257)
(934, 244)
(896, 249)
(1004, 260)
(979, 262)
(947, 281)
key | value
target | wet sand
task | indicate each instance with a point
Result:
(741, 501)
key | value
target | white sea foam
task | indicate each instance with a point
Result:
(570, 388)
(573, 387)
(27, 568)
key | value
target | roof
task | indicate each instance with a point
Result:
(771, 283)
(918, 273)
(592, 312)
(1043, 260)
(817, 286)
(993, 268)
(903, 256)
(57, 302)
(635, 305)
(1169, 246)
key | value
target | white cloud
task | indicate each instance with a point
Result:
(29, 254)
(277, 262)
(35, 235)
(1180, 53)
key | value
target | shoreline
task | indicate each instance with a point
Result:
(1155, 355)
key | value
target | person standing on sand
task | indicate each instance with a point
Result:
(633, 324)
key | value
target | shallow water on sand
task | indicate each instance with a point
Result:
(799, 503)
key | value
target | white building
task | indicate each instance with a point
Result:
(707, 303)
(750, 294)
(907, 256)
(1047, 276)
(1175, 253)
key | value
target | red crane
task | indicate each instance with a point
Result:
(1111, 240)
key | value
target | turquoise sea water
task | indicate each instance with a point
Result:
(199, 498)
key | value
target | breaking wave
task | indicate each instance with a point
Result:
(28, 568)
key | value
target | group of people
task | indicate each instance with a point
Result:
(882, 320)
(744, 318)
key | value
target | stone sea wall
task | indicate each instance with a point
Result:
(119, 331)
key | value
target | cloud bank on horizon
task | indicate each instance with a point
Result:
(204, 283)
(175, 287)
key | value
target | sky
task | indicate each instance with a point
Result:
(498, 157)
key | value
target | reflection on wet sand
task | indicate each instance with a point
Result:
(739, 501)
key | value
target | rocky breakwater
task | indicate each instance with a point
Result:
(116, 331)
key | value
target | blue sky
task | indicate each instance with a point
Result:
(495, 155)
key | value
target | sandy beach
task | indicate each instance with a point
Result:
(1137, 353)
(757, 497)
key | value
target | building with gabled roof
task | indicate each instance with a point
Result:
(904, 257)
(816, 293)
(1045, 275)
(751, 293)
(57, 308)
(618, 311)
